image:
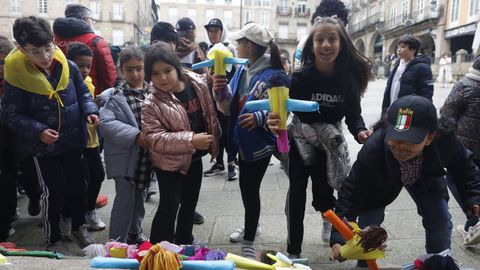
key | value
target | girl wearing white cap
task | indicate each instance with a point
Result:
(249, 133)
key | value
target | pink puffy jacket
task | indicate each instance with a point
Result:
(167, 129)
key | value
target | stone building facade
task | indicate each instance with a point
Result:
(118, 21)
(441, 25)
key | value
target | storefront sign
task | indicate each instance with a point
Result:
(461, 31)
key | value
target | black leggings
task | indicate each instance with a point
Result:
(323, 198)
(251, 175)
(178, 200)
(223, 142)
(96, 174)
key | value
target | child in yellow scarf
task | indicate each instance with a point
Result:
(48, 106)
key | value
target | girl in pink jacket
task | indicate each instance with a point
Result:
(180, 126)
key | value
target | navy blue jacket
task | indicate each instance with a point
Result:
(374, 181)
(259, 142)
(28, 115)
(416, 80)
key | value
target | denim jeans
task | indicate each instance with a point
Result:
(128, 210)
(452, 186)
(436, 219)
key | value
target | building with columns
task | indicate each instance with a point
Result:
(288, 20)
(118, 21)
(441, 25)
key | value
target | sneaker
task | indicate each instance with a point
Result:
(151, 190)
(82, 237)
(216, 169)
(472, 236)
(326, 231)
(198, 219)
(20, 191)
(248, 250)
(232, 175)
(102, 200)
(11, 231)
(65, 249)
(294, 256)
(237, 235)
(136, 239)
(362, 264)
(93, 221)
(33, 207)
(65, 226)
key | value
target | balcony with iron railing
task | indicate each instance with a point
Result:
(284, 11)
(302, 12)
(376, 20)
(289, 38)
(419, 16)
(117, 17)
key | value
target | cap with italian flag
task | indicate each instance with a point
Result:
(411, 118)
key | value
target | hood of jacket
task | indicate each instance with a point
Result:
(70, 27)
(425, 59)
(102, 98)
(223, 38)
(262, 63)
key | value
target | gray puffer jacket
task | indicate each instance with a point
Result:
(461, 111)
(119, 129)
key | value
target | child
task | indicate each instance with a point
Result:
(411, 74)
(126, 154)
(49, 107)
(217, 33)
(248, 132)
(459, 114)
(82, 55)
(180, 125)
(334, 74)
(8, 192)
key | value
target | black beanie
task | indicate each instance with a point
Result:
(163, 31)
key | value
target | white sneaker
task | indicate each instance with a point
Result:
(93, 222)
(472, 237)
(326, 231)
(237, 235)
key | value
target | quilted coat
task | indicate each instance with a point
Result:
(167, 128)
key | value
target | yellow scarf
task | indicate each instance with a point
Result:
(22, 73)
(92, 131)
(89, 83)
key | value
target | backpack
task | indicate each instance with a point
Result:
(114, 50)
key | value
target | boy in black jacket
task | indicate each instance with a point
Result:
(411, 75)
(409, 153)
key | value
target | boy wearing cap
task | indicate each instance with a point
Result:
(217, 33)
(409, 152)
(187, 49)
(249, 134)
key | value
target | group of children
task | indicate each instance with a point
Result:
(161, 118)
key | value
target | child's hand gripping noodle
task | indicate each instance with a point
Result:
(280, 103)
(363, 244)
(221, 59)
